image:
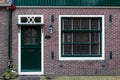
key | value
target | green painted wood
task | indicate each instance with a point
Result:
(67, 2)
(30, 49)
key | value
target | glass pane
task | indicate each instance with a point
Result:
(67, 49)
(85, 37)
(95, 36)
(67, 37)
(67, 23)
(27, 33)
(37, 19)
(24, 19)
(34, 33)
(85, 49)
(76, 49)
(34, 41)
(95, 49)
(85, 23)
(76, 23)
(95, 23)
(27, 40)
(76, 37)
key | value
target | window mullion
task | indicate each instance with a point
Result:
(99, 27)
(89, 37)
(63, 43)
(63, 38)
(72, 36)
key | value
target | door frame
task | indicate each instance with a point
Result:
(19, 55)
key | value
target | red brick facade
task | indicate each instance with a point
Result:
(3, 40)
(57, 67)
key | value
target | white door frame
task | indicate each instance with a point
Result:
(19, 55)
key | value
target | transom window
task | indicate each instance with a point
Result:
(81, 36)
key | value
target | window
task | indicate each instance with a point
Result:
(81, 37)
(31, 19)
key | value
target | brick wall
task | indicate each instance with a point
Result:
(3, 40)
(112, 42)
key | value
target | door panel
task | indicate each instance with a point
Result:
(30, 49)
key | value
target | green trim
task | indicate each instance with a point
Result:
(81, 30)
(9, 32)
(80, 43)
(81, 55)
(67, 3)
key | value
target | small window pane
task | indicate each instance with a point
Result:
(85, 37)
(76, 23)
(27, 40)
(34, 41)
(95, 49)
(95, 37)
(85, 49)
(27, 33)
(85, 23)
(95, 23)
(34, 33)
(67, 49)
(76, 49)
(37, 19)
(67, 37)
(24, 19)
(76, 37)
(67, 23)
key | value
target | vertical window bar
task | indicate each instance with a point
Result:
(63, 36)
(72, 35)
(99, 34)
(90, 37)
(63, 44)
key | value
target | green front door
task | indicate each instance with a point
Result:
(30, 49)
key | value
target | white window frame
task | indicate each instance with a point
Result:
(41, 16)
(83, 58)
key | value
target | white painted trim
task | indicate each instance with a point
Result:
(83, 58)
(20, 16)
(19, 56)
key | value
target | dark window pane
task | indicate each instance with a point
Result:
(67, 49)
(27, 40)
(85, 37)
(24, 19)
(76, 37)
(27, 33)
(95, 37)
(95, 49)
(85, 49)
(76, 23)
(67, 37)
(85, 23)
(34, 33)
(37, 19)
(76, 49)
(95, 23)
(34, 40)
(67, 23)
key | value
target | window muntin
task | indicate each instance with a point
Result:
(81, 37)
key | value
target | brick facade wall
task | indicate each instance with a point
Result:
(3, 40)
(112, 42)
